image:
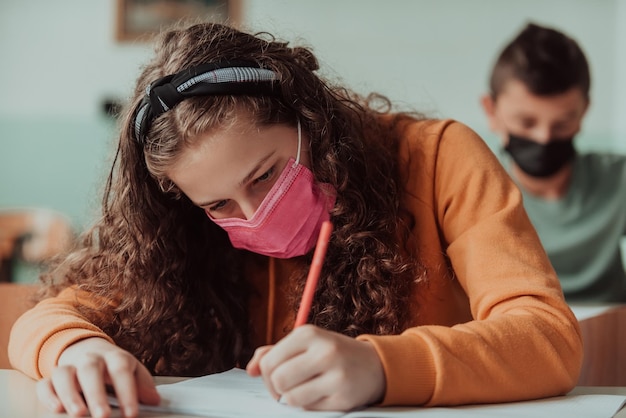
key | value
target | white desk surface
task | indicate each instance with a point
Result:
(588, 311)
(19, 400)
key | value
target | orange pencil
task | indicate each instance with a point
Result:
(314, 273)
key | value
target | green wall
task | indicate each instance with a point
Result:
(54, 163)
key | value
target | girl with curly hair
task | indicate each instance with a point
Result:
(232, 153)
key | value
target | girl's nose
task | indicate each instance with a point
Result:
(248, 209)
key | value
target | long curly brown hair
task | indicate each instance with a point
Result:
(171, 289)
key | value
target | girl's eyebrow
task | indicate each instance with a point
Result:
(256, 168)
(246, 179)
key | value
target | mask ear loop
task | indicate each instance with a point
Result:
(299, 144)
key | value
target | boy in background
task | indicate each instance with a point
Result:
(539, 94)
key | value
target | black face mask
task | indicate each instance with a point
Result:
(540, 160)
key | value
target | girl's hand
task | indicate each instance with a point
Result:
(317, 369)
(78, 384)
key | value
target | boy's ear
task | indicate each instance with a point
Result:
(489, 106)
(586, 107)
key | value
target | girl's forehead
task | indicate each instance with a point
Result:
(224, 147)
(219, 160)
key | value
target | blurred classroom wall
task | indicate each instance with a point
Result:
(60, 62)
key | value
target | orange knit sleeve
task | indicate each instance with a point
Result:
(41, 334)
(522, 340)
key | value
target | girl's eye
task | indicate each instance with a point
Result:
(264, 177)
(219, 205)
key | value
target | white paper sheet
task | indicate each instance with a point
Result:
(234, 394)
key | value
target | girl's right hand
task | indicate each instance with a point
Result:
(78, 384)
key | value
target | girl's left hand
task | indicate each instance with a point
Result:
(317, 369)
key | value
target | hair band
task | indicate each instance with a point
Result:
(225, 78)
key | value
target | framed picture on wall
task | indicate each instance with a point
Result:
(140, 20)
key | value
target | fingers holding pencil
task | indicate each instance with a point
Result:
(254, 366)
(315, 368)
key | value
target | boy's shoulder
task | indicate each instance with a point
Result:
(602, 161)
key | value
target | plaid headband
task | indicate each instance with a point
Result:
(224, 78)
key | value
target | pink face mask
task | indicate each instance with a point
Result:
(289, 219)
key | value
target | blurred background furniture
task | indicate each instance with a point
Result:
(32, 236)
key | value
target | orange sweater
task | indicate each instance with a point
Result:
(491, 325)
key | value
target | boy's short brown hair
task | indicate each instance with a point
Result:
(545, 60)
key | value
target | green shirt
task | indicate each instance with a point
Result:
(582, 231)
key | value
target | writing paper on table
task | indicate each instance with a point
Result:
(234, 394)
(230, 394)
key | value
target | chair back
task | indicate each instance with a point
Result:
(604, 340)
(15, 299)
